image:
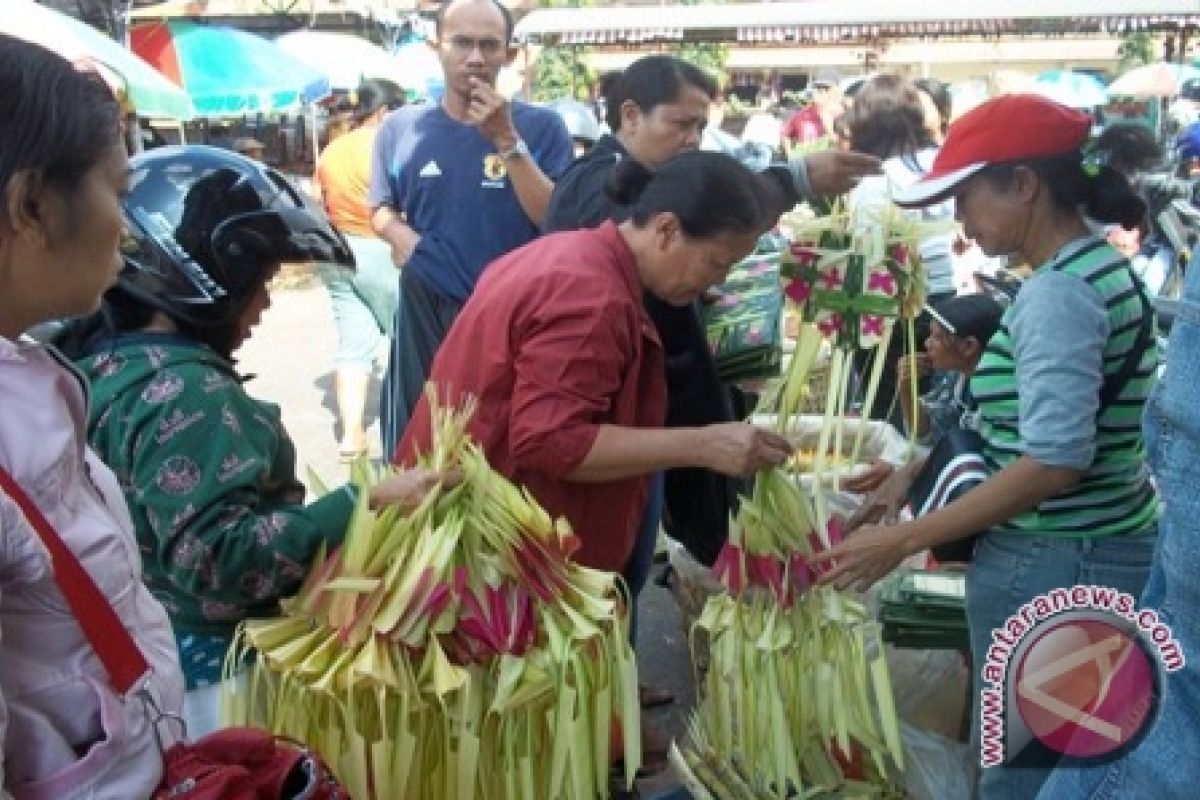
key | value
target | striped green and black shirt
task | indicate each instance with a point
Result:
(1038, 390)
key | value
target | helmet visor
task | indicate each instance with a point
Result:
(157, 267)
(281, 235)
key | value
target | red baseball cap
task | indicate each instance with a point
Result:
(1013, 127)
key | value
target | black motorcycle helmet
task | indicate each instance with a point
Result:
(206, 227)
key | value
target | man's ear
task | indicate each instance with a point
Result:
(25, 210)
(510, 55)
(972, 347)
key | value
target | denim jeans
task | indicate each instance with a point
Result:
(1166, 763)
(1010, 570)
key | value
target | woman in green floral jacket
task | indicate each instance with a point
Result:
(208, 471)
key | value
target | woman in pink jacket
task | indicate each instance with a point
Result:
(64, 732)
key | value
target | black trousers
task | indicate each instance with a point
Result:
(422, 322)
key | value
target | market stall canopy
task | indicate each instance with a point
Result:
(1153, 80)
(347, 59)
(225, 71)
(387, 12)
(1074, 89)
(145, 89)
(828, 21)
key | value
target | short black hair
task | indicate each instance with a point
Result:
(976, 315)
(652, 81)
(939, 93)
(440, 15)
(374, 94)
(1128, 147)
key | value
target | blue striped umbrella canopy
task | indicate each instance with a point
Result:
(146, 90)
(226, 71)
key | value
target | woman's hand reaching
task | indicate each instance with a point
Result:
(866, 556)
(409, 488)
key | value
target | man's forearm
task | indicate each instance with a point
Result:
(392, 228)
(824, 174)
(531, 187)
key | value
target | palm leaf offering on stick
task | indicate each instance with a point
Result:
(455, 652)
(853, 276)
(797, 700)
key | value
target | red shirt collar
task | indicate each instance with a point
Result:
(610, 236)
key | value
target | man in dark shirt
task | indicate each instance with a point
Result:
(454, 186)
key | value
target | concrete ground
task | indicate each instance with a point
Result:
(291, 357)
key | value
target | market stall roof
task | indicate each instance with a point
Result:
(387, 11)
(345, 58)
(833, 21)
(147, 91)
(225, 71)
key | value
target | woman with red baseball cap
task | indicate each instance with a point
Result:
(1060, 387)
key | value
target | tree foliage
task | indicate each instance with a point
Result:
(1136, 50)
(709, 56)
(562, 71)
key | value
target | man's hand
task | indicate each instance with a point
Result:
(739, 448)
(402, 252)
(834, 172)
(883, 505)
(392, 228)
(489, 111)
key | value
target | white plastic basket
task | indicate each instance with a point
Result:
(879, 441)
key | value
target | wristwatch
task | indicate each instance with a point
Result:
(519, 148)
